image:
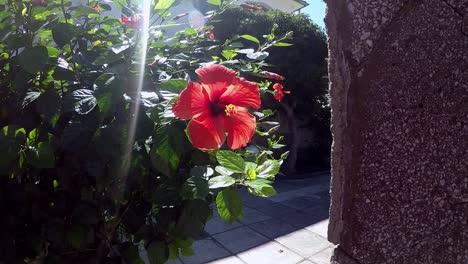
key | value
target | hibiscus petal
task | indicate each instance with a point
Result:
(207, 132)
(215, 79)
(192, 101)
(242, 93)
(240, 128)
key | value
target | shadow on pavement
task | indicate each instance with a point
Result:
(290, 227)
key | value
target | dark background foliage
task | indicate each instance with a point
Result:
(304, 64)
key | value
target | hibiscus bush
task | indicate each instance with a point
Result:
(117, 139)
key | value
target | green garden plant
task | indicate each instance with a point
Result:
(116, 139)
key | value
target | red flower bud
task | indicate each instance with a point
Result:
(96, 8)
(135, 21)
(42, 3)
(272, 75)
(211, 36)
(181, 16)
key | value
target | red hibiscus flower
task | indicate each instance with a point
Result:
(272, 75)
(216, 105)
(279, 93)
(42, 3)
(251, 7)
(135, 21)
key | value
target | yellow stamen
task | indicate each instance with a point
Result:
(230, 110)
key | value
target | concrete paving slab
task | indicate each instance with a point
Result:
(304, 242)
(206, 250)
(240, 239)
(216, 225)
(323, 257)
(228, 260)
(298, 203)
(273, 228)
(253, 216)
(270, 253)
(276, 210)
(320, 228)
(301, 219)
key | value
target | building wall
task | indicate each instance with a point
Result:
(399, 89)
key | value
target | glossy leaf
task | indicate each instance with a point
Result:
(33, 59)
(231, 161)
(229, 205)
(158, 252)
(261, 188)
(195, 188)
(81, 101)
(268, 169)
(63, 33)
(250, 38)
(221, 182)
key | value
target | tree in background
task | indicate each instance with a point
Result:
(304, 66)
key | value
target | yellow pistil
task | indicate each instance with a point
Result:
(230, 110)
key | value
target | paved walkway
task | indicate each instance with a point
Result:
(288, 228)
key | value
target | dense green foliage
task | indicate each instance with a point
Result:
(304, 64)
(93, 170)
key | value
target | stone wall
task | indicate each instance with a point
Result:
(399, 89)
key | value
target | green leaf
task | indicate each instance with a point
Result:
(109, 91)
(261, 188)
(11, 139)
(202, 171)
(223, 171)
(30, 97)
(164, 4)
(252, 174)
(195, 188)
(229, 205)
(268, 169)
(231, 161)
(194, 216)
(229, 54)
(165, 153)
(42, 156)
(33, 59)
(250, 38)
(221, 182)
(107, 57)
(174, 85)
(104, 102)
(214, 2)
(33, 137)
(83, 10)
(81, 101)
(75, 236)
(282, 44)
(53, 52)
(63, 33)
(261, 55)
(158, 252)
(48, 104)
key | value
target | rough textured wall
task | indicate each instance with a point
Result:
(399, 88)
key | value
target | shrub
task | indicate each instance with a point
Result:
(97, 163)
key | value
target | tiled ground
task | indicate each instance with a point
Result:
(288, 228)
